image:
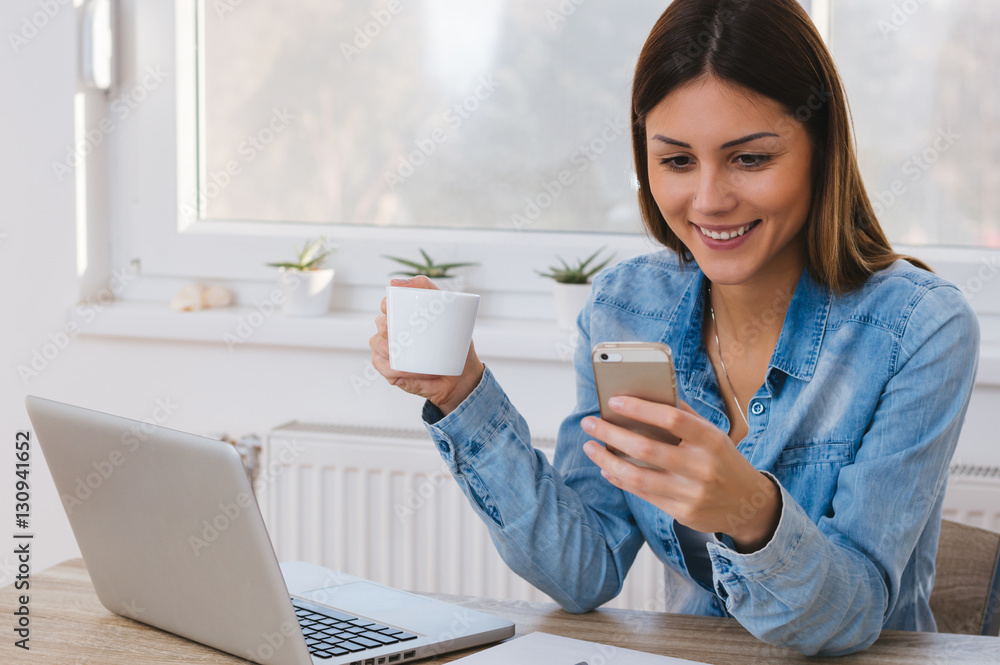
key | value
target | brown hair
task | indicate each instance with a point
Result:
(772, 48)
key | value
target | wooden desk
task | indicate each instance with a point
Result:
(69, 626)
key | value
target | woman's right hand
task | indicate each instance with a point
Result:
(445, 392)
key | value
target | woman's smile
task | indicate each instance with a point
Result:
(726, 237)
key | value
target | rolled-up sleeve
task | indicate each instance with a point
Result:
(829, 587)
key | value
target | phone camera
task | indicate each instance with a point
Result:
(604, 356)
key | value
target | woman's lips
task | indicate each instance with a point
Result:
(734, 236)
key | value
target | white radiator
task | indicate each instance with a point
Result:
(973, 496)
(381, 504)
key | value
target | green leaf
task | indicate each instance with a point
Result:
(578, 274)
(405, 262)
(449, 266)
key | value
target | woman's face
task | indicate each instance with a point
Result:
(730, 172)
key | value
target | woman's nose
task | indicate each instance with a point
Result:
(714, 195)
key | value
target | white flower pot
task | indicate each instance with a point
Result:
(570, 299)
(307, 293)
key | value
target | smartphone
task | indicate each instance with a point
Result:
(635, 369)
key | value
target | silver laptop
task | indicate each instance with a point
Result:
(172, 536)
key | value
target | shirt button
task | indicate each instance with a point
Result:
(757, 408)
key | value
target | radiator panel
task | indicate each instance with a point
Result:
(381, 504)
(973, 496)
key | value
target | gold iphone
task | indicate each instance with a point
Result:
(635, 369)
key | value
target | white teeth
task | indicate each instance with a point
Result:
(716, 235)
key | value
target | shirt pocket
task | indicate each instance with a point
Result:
(809, 471)
(835, 453)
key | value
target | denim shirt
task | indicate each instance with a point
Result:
(856, 421)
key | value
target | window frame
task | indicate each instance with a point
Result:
(154, 167)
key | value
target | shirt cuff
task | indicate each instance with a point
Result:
(463, 432)
(732, 567)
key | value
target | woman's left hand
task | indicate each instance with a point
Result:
(705, 483)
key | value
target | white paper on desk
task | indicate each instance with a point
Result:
(546, 649)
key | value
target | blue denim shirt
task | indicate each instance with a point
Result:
(857, 421)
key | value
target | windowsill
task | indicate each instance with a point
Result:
(234, 327)
(350, 331)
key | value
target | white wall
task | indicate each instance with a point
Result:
(251, 390)
(37, 258)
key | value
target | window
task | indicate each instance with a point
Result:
(921, 79)
(496, 114)
(237, 150)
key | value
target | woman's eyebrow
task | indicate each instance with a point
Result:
(727, 144)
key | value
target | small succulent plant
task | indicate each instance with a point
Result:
(310, 257)
(578, 274)
(427, 268)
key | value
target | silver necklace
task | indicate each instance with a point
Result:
(715, 331)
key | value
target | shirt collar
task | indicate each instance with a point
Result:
(801, 336)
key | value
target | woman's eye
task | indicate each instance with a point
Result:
(678, 163)
(752, 161)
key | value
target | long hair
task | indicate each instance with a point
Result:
(772, 48)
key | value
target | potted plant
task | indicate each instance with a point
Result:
(571, 286)
(306, 283)
(438, 272)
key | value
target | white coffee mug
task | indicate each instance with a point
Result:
(429, 330)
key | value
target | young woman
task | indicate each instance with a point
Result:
(824, 379)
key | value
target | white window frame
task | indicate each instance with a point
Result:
(152, 177)
(154, 171)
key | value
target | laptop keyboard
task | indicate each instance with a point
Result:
(330, 633)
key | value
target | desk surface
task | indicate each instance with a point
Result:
(69, 625)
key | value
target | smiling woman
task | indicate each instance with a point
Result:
(822, 378)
